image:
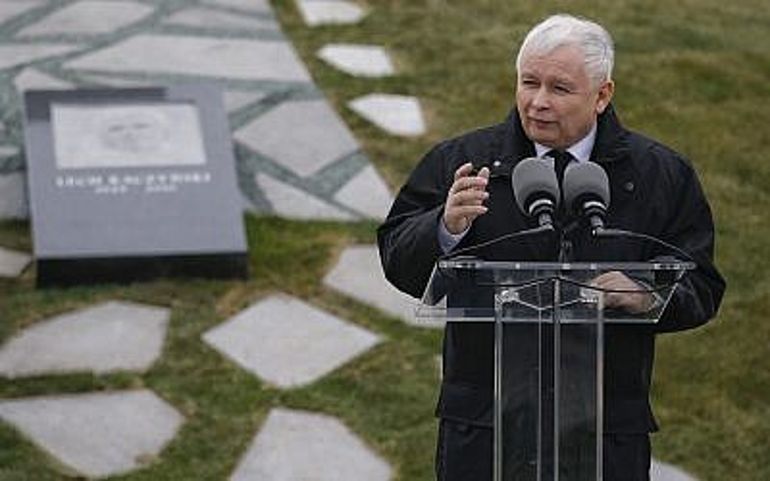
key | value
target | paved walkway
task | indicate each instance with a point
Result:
(296, 158)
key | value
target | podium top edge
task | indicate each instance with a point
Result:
(479, 264)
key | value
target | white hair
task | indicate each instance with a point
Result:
(567, 30)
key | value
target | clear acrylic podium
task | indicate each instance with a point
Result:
(549, 353)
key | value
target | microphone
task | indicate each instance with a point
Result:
(536, 189)
(587, 192)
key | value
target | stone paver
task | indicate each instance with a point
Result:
(296, 445)
(358, 274)
(256, 6)
(660, 471)
(7, 151)
(236, 100)
(294, 203)
(89, 17)
(13, 263)
(207, 56)
(303, 136)
(395, 114)
(13, 8)
(31, 78)
(287, 342)
(97, 435)
(114, 336)
(208, 18)
(366, 193)
(12, 55)
(13, 196)
(329, 12)
(358, 60)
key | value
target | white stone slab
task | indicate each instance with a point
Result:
(304, 136)
(13, 55)
(97, 435)
(329, 12)
(7, 151)
(293, 203)
(209, 18)
(31, 79)
(89, 17)
(358, 274)
(13, 263)
(395, 114)
(218, 57)
(13, 196)
(366, 193)
(296, 445)
(259, 6)
(114, 336)
(235, 100)
(358, 60)
(12, 8)
(660, 471)
(287, 342)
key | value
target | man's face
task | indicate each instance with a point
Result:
(556, 99)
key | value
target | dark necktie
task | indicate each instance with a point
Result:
(560, 161)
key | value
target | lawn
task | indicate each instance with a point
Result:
(693, 74)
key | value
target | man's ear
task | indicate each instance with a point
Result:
(604, 96)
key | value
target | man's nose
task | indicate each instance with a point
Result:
(541, 99)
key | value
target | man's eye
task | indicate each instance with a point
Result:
(562, 89)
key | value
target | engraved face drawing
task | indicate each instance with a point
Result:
(136, 132)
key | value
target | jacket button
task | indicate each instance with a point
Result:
(628, 186)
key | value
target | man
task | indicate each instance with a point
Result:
(459, 195)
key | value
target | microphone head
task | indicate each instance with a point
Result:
(534, 180)
(586, 182)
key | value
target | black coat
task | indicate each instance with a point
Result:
(653, 190)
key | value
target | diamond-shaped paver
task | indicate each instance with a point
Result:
(358, 274)
(12, 55)
(12, 8)
(13, 196)
(90, 17)
(287, 342)
(97, 435)
(325, 12)
(358, 60)
(114, 336)
(12, 263)
(294, 203)
(257, 6)
(366, 193)
(209, 18)
(395, 114)
(217, 57)
(31, 78)
(296, 445)
(660, 471)
(304, 135)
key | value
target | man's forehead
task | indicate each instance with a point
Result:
(566, 60)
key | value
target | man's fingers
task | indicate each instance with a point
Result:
(464, 183)
(468, 197)
(463, 170)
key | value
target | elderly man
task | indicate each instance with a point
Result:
(459, 195)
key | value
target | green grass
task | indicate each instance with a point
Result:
(694, 74)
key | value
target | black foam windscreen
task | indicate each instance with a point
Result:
(585, 181)
(534, 176)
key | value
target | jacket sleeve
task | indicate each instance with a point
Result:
(408, 239)
(688, 224)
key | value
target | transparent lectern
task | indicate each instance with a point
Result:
(549, 353)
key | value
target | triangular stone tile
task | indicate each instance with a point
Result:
(114, 336)
(12, 55)
(366, 193)
(241, 59)
(358, 274)
(31, 79)
(395, 114)
(358, 60)
(235, 100)
(296, 445)
(13, 8)
(287, 342)
(209, 18)
(89, 17)
(660, 471)
(293, 203)
(97, 435)
(13, 263)
(329, 12)
(318, 136)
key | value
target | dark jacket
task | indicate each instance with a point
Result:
(653, 190)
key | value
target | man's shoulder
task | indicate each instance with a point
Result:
(477, 142)
(647, 150)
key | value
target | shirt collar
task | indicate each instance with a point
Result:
(580, 150)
